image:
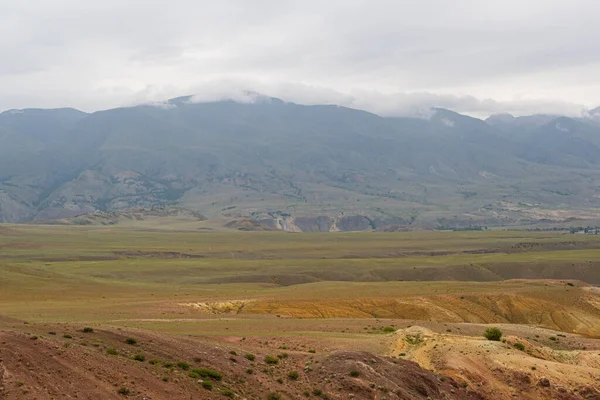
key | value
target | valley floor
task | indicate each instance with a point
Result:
(268, 315)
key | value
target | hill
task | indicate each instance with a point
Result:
(295, 167)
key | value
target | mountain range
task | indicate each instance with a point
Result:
(298, 167)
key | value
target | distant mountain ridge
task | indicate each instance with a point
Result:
(270, 160)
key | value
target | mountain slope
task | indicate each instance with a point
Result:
(276, 161)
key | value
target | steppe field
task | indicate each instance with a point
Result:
(112, 312)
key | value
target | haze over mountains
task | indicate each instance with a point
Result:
(297, 167)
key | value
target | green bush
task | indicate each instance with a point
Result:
(494, 334)
(130, 341)
(227, 392)
(112, 351)
(168, 364)
(388, 329)
(124, 391)
(354, 373)
(139, 357)
(88, 330)
(208, 373)
(273, 396)
(293, 375)
(183, 365)
(250, 357)
(271, 360)
(519, 346)
(207, 385)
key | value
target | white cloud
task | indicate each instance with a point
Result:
(388, 56)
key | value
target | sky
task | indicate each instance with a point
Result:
(391, 57)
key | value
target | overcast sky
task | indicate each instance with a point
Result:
(392, 57)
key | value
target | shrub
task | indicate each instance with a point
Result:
(354, 373)
(273, 396)
(493, 334)
(67, 336)
(52, 333)
(271, 360)
(293, 375)
(519, 346)
(249, 371)
(168, 364)
(317, 392)
(282, 355)
(206, 385)
(183, 365)
(154, 361)
(233, 353)
(312, 351)
(208, 373)
(139, 357)
(227, 392)
(250, 357)
(553, 338)
(112, 351)
(124, 391)
(279, 380)
(88, 330)
(130, 341)
(388, 329)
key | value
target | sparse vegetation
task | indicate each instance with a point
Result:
(130, 341)
(354, 373)
(112, 351)
(273, 396)
(139, 357)
(88, 330)
(250, 356)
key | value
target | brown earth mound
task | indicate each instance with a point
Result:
(62, 362)
(366, 377)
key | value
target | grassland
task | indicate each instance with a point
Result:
(98, 274)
